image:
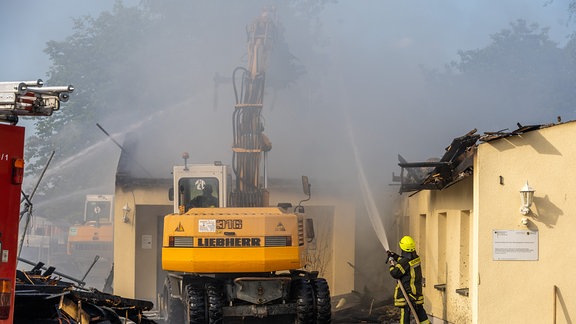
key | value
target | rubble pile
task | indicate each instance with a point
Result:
(43, 297)
(362, 308)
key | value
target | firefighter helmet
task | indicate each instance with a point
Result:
(407, 244)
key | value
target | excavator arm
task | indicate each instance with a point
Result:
(250, 144)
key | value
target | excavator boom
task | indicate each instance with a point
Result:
(250, 143)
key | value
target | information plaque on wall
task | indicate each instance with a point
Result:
(146, 242)
(515, 245)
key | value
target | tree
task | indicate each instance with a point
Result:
(90, 60)
(134, 69)
(521, 74)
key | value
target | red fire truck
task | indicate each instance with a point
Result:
(27, 98)
(11, 174)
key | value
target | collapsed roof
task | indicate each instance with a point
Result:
(456, 163)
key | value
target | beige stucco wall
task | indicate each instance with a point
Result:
(436, 221)
(454, 229)
(342, 240)
(133, 264)
(523, 291)
(338, 273)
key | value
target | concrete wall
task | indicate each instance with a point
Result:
(523, 291)
(457, 228)
(334, 218)
(341, 244)
(439, 222)
(136, 261)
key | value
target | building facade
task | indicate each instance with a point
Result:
(485, 261)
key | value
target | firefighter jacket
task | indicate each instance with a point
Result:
(408, 272)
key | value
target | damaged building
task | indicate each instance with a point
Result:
(492, 222)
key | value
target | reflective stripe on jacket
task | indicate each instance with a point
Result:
(409, 273)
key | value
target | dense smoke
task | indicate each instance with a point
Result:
(359, 66)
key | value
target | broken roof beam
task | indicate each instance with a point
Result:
(410, 187)
(424, 164)
(458, 146)
(455, 164)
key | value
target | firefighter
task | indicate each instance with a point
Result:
(405, 268)
(206, 199)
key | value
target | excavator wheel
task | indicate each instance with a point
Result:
(215, 294)
(195, 304)
(171, 309)
(322, 298)
(303, 294)
(204, 301)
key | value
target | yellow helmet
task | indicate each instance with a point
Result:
(407, 244)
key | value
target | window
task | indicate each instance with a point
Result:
(422, 241)
(464, 248)
(198, 192)
(442, 241)
(98, 211)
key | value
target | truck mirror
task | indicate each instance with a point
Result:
(171, 194)
(306, 185)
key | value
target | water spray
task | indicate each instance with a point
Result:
(373, 213)
(28, 206)
(123, 150)
(369, 203)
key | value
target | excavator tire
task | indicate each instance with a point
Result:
(322, 298)
(171, 309)
(304, 296)
(196, 304)
(215, 294)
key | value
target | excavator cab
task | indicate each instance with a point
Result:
(198, 192)
(200, 185)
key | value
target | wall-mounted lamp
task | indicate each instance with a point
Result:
(527, 195)
(126, 210)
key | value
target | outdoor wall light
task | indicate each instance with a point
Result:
(527, 195)
(126, 210)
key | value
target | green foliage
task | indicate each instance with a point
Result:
(521, 70)
(512, 49)
(128, 66)
(88, 59)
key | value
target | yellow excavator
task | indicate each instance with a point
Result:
(229, 256)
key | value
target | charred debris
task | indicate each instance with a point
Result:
(455, 165)
(43, 296)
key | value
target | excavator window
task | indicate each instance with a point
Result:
(199, 192)
(98, 211)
